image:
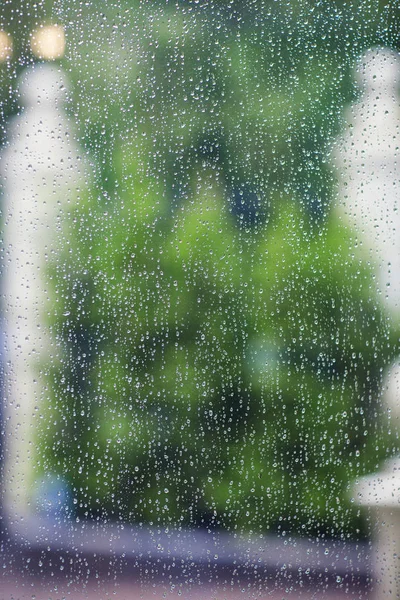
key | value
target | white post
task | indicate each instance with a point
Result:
(368, 158)
(39, 169)
(381, 493)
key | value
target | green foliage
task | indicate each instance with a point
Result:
(222, 341)
(212, 373)
(258, 89)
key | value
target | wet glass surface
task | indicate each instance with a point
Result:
(200, 289)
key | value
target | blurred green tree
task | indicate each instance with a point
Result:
(223, 344)
(229, 376)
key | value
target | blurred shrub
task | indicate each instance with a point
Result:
(212, 373)
(222, 341)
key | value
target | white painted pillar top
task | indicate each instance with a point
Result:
(367, 157)
(40, 138)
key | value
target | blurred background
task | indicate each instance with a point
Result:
(221, 336)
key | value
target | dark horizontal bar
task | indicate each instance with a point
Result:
(37, 545)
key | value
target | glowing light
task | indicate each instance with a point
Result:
(6, 46)
(48, 42)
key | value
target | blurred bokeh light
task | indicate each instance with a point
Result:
(6, 46)
(48, 42)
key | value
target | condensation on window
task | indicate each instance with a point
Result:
(200, 287)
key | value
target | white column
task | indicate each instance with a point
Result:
(368, 161)
(381, 494)
(39, 170)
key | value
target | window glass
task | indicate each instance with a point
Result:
(200, 285)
